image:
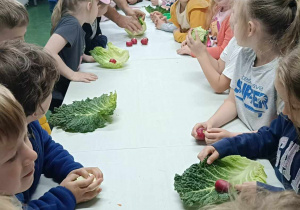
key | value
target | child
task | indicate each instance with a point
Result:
(93, 34)
(265, 29)
(220, 32)
(218, 72)
(16, 154)
(30, 73)
(13, 25)
(185, 14)
(278, 142)
(66, 43)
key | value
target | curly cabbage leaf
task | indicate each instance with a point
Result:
(196, 186)
(144, 28)
(86, 115)
(102, 56)
(201, 33)
(150, 9)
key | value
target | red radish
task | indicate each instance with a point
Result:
(112, 60)
(129, 44)
(200, 133)
(144, 41)
(222, 186)
(134, 41)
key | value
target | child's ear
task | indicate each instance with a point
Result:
(89, 5)
(251, 28)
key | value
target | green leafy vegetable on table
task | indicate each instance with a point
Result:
(103, 56)
(86, 115)
(202, 33)
(144, 28)
(196, 186)
(150, 9)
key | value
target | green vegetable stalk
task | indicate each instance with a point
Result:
(103, 56)
(150, 9)
(86, 115)
(144, 28)
(201, 33)
(196, 186)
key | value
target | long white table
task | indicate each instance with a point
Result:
(161, 95)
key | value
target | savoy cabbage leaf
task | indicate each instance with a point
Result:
(86, 115)
(196, 186)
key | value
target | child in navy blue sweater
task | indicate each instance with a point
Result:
(30, 74)
(279, 142)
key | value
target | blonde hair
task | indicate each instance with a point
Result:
(63, 8)
(279, 18)
(12, 117)
(12, 14)
(288, 73)
(259, 199)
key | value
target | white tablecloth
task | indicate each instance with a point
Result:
(161, 95)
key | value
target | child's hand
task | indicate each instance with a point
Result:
(131, 1)
(213, 135)
(204, 125)
(246, 186)
(154, 14)
(209, 150)
(196, 46)
(83, 190)
(184, 50)
(154, 2)
(95, 171)
(183, 43)
(83, 77)
(159, 22)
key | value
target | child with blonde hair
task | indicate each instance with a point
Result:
(185, 14)
(30, 74)
(280, 143)
(266, 29)
(66, 43)
(220, 32)
(16, 154)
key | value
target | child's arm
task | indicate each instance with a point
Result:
(88, 58)
(55, 44)
(224, 37)
(262, 144)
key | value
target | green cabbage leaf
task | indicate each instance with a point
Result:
(196, 186)
(150, 9)
(86, 115)
(144, 28)
(201, 33)
(103, 56)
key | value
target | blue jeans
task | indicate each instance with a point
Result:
(52, 5)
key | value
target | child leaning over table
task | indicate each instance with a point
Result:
(29, 67)
(14, 20)
(266, 29)
(185, 14)
(280, 141)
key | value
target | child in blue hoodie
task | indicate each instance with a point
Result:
(30, 74)
(280, 143)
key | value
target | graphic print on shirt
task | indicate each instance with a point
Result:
(252, 96)
(284, 161)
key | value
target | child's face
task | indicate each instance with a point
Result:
(16, 164)
(102, 9)
(93, 11)
(13, 33)
(41, 111)
(291, 105)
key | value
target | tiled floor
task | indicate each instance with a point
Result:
(38, 31)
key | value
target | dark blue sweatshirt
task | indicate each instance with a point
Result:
(54, 162)
(279, 141)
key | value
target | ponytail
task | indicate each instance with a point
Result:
(57, 15)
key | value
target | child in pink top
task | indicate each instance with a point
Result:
(220, 32)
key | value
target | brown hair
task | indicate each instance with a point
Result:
(12, 118)
(280, 20)
(254, 199)
(63, 8)
(28, 72)
(12, 14)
